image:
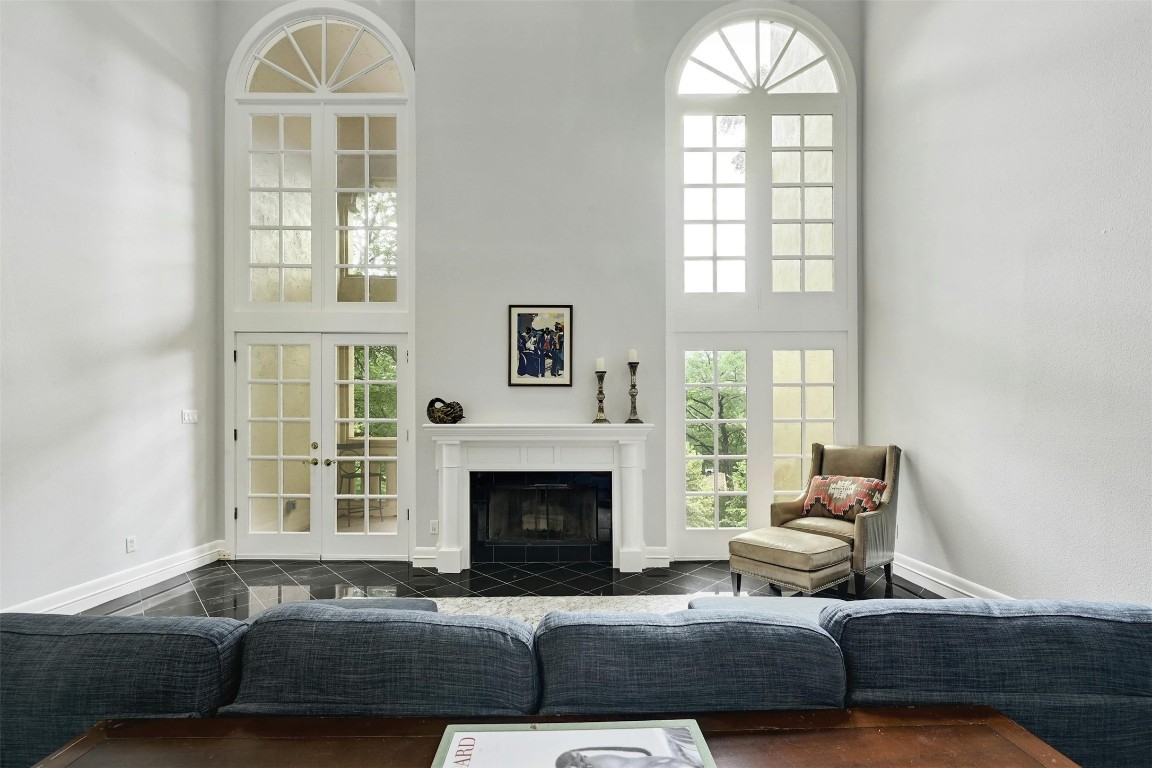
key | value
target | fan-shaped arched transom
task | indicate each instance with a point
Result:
(757, 53)
(324, 55)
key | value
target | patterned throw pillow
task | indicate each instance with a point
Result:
(844, 496)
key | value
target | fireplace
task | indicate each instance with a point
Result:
(617, 450)
(541, 516)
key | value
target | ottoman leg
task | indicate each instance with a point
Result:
(735, 584)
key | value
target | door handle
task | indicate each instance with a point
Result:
(327, 462)
(313, 462)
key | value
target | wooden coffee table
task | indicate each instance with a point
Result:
(926, 737)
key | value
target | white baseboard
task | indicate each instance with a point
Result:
(657, 557)
(424, 557)
(941, 582)
(92, 593)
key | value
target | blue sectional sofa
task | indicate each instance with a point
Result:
(1077, 674)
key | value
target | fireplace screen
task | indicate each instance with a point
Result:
(542, 513)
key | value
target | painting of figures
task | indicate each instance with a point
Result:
(539, 345)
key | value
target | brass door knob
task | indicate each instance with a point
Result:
(327, 462)
(313, 462)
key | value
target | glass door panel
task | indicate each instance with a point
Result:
(276, 475)
(364, 516)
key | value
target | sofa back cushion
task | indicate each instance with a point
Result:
(1077, 674)
(308, 659)
(691, 661)
(62, 674)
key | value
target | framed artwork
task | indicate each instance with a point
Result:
(539, 345)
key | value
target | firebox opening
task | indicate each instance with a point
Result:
(541, 516)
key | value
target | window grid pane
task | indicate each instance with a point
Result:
(803, 396)
(803, 247)
(279, 404)
(366, 199)
(714, 204)
(366, 430)
(715, 439)
(280, 208)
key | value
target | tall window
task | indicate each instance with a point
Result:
(716, 439)
(768, 162)
(762, 307)
(324, 121)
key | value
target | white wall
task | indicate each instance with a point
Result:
(1008, 288)
(540, 179)
(109, 289)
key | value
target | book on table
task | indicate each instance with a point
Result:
(633, 744)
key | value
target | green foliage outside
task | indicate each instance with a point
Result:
(376, 212)
(712, 400)
(381, 397)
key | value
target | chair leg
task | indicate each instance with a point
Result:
(888, 573)
(859, 585)
(735, 584)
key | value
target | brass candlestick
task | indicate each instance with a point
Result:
(600, 417)
(632, 391)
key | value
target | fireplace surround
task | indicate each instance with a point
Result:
(461, 449)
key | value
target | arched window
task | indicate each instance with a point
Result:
(320, 202)
(761, 240)
(757, 53)
(761, 138)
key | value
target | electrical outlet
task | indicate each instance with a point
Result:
(130, 544)
(434, 527)
(189, 417)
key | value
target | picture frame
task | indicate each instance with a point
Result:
(539, 345)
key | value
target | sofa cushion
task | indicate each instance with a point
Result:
(690, 661)
(824, 526)
(63, 674)
(1077, 674)
(308, 659)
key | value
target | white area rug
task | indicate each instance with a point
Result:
(532, 609)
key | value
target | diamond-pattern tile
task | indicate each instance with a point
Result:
(242, 589)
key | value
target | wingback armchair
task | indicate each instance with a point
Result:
(871, 535)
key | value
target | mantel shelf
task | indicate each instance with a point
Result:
(538, 432)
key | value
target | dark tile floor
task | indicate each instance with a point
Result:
(242, 588)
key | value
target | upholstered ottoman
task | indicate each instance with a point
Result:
(788, 558)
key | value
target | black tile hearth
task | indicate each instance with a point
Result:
(243, 588)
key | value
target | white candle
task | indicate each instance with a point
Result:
(600, 364)
(633, 357)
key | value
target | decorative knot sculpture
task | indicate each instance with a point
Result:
(440, 412)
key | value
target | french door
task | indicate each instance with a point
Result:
(321, 447)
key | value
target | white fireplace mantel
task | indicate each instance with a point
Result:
(465, 448)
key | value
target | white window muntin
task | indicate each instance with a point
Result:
(758, 111)
(323, 210)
